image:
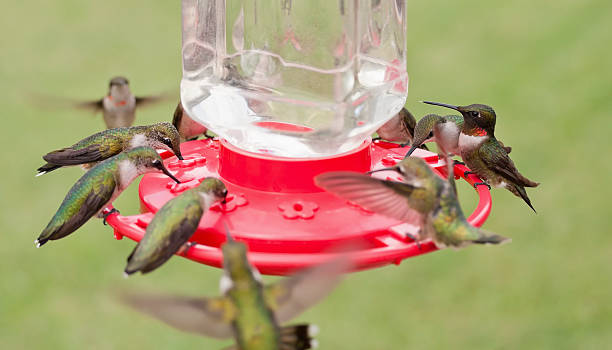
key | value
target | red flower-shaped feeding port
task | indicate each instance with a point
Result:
(298, 209)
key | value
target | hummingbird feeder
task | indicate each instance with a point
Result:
(291, 94)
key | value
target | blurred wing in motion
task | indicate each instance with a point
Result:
(150, 100)
(386, 197)
(204, 316)
(95, 106)
(293, 295)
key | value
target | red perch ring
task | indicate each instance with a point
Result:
(276, 209)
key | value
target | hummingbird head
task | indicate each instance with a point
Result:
(423, 131)
(235, 262)
(164, 135)
(477, 116)
(213, 186)
(147, 160)
(415, 169)
(118, 87)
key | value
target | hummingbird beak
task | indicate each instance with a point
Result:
(442, 105)
(410, 151)
(227, 232)
(224, 198)
(169, 174)
(179, 155)
(383, 169)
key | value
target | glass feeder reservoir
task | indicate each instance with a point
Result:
(294, 78)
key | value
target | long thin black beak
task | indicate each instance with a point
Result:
(169, 174)
(228, 235)
(383, 169)
(410, 151)
(441, 104)
(224, 198)
(178, 155)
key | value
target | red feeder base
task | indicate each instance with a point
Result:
(276, 209)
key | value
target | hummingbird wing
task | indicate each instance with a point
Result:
(169, 230)
(95, 106)
(86, 198)
(291, 296)
(390, 198)
(496, 158)
(204, 316)
(149, 100)
(89, 154)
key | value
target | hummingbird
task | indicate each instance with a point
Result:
(400, 128)
(188, 128)
(423, 199)
(484, 154)
(119, 105)
(443, 130)
(98, 188)
(248, 310)
(173, 225)
(107, 143)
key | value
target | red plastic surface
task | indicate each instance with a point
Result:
(275, 208)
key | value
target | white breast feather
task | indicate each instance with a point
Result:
(225, 284)
(138, 140)
(127, 173)
(468, 142)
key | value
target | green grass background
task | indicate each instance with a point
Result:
(544, 65)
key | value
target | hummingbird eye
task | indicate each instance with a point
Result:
(167, 141)
(156, 163)
(475, 114)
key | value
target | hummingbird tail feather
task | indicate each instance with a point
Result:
(47, 168)
(520, 191)
(491, 238)
(299, 337)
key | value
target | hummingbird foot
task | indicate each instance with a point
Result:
(482, 183)
(208, 136)
(105, 216)
(466, 173)
(377, 138)
(458, 162)
(415, 239)
(185, 248)
(402, 145)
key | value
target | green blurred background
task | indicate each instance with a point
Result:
(544, 65)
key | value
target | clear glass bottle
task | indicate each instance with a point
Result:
(294, 78)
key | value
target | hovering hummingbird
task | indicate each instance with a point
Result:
(443, 130)
(484, 154)
(400, 128)
(98, 188)
(107, 143)
(424, 199)
(173, 225)
(119, 105)
(188, 128)
(248, 311)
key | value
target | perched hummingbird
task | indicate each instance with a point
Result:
(107, 143)
(248, 311)
(400, 128)
(484, 154)
(173, 225)
(98, 188)
(443, 130)
(119, 105)
(188, 128)
(424, 199)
